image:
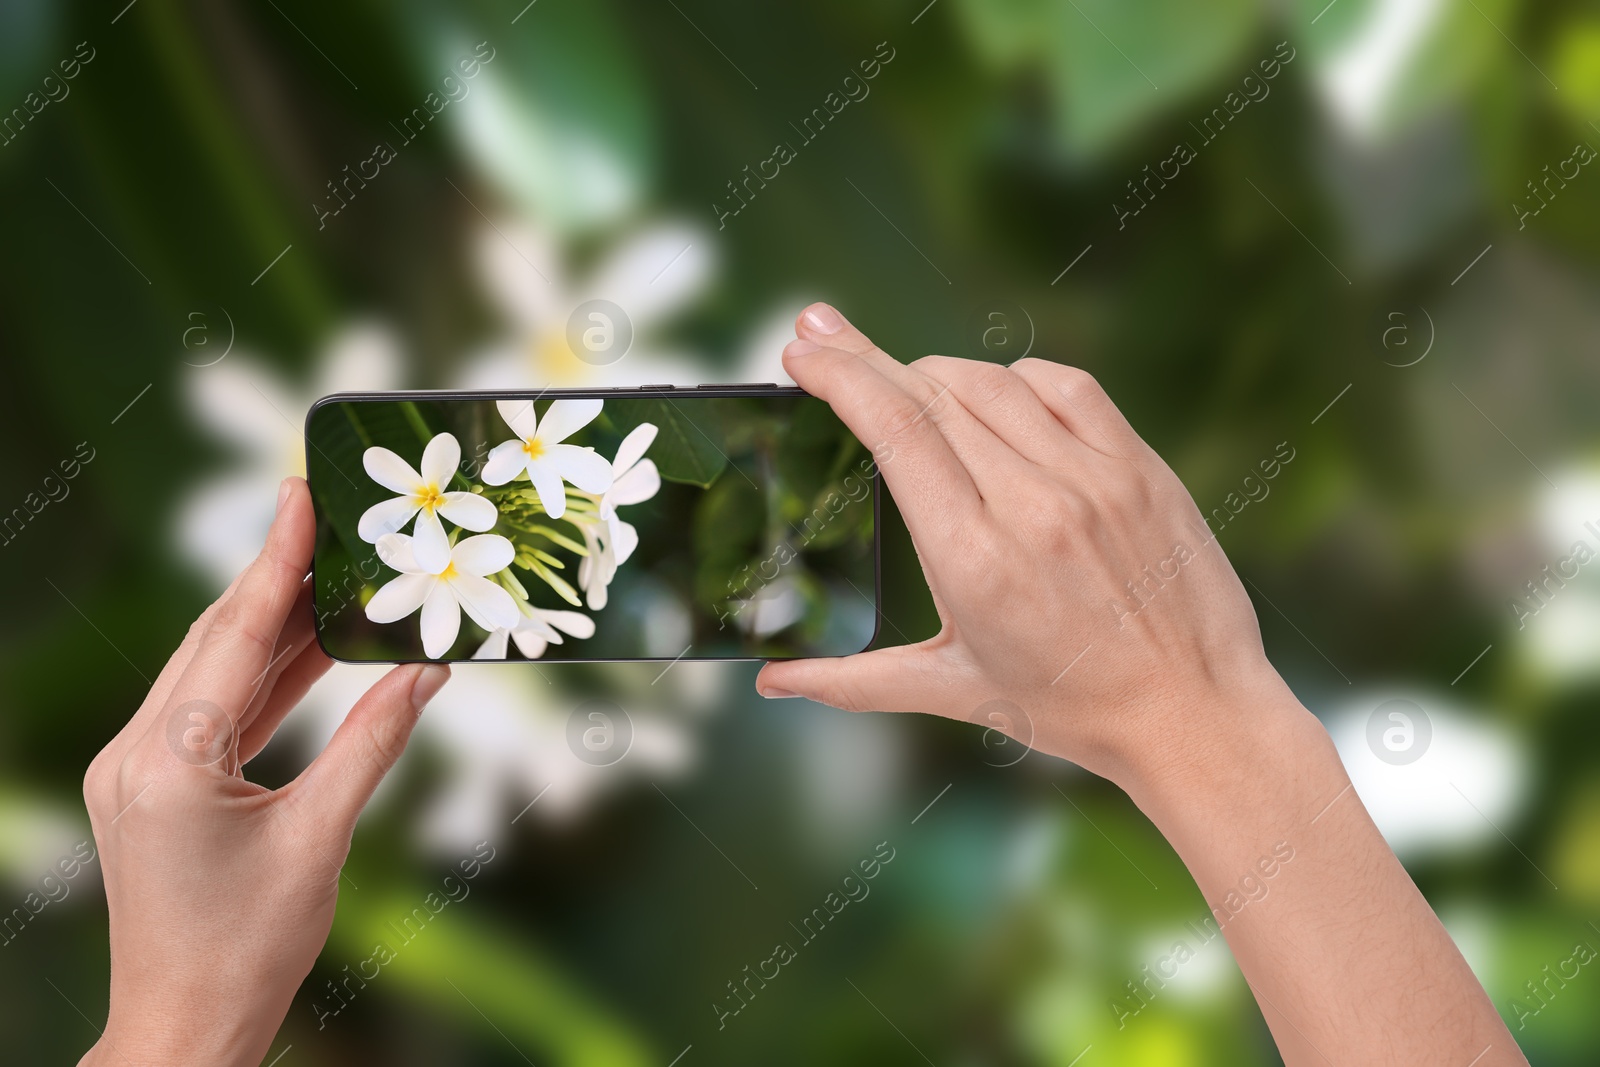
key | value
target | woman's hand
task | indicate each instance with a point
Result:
(1079, 587)
(221, 893)
(1074, 577)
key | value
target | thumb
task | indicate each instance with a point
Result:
(340, 781)
(902, 678)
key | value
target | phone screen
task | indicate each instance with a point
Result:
(720, 523)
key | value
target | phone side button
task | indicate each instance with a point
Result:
(737, 385)
(658, 388)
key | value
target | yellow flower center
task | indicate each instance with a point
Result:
(429, 497)
(450, 571)
(553, 359)
(534, 448)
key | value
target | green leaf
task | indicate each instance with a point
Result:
(1113, 66)
(560, 117)
(688, 450)
(462, 965)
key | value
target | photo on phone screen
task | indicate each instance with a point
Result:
(713, 523)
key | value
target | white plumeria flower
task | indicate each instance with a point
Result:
(651, 276)
(634, 480)
(443, 593)
(596, 569)
(538, 451)
(250, 406)
(423, 495)
(538, 629)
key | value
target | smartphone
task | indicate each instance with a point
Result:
(651, 523)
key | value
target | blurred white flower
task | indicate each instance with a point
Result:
(776, 605)
(653, 275)
(504, 735)
(1468, 780)
(1361, 79)
(1561, 631)
(224, 521)
(539, 453)
(444, 588)
(423, 495)
(761, 358)
(538, 629)
(534, 153)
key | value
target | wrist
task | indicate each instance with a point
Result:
(165, 1036)
(1207, 753)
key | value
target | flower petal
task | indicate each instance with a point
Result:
(624, 539)
(506, 461)
(533, 624)
(441, 620)
(583, 467)
(632, 275)
(490, 606)
(636, 486)
(395, 550)
(390, 471)
(633, 446)
(520, 417)
(494, 647)
(469, 511)
(517, 263)
(575, 623)
(565, 418)
(400, 597)
(388, 517)
(483, 554)
(429, 543)
(440, 459)
(529, 643)
(547, 483)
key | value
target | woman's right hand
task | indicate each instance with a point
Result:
(1073, 575)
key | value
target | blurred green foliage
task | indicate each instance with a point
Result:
(984, 169)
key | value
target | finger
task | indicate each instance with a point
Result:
(1083, 407)
(155, 702)
(1008, 406)
(301, 673)
(367, 744)
(298, 634)
(239, 643)
(931, 485)
(973, 443)
(903, 678)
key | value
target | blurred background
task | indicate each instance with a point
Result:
(1361, 233)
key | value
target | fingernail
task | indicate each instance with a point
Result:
(774, 693)
(429, 682)
(283, 493)
(800, 347)
(823, 319)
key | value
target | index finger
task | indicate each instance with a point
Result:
(931, 486)
(237, 647)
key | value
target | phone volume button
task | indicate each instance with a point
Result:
(737, 385)
(658, 388)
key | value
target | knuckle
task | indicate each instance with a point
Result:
(234, 621)
(1060, 520)
(846, 695)
(989, 384)
(384, 748)
(899, 416)
(1079, 381)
